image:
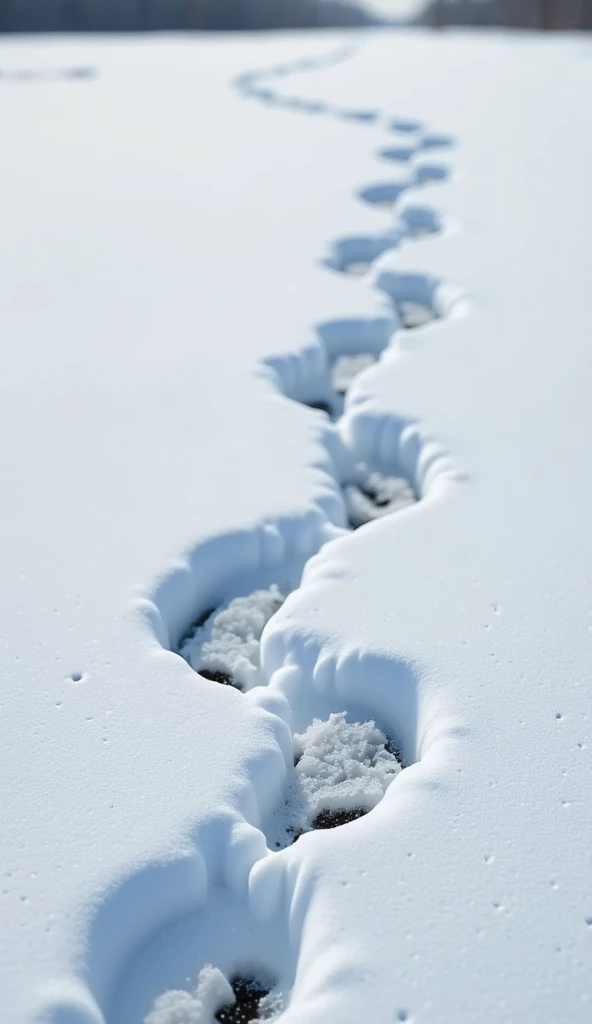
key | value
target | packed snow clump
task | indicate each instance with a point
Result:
(346, 367)
(211, 993)
(339, 765)
(376, 495)
(228, 642)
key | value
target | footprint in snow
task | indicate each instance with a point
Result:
(342, 770)
(223, 645)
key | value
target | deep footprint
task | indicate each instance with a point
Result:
(342, 770)
(375, 495)
(333, 819)
(347, 367)
(414, 314)
(223, 646)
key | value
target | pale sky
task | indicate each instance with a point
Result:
(396, 8)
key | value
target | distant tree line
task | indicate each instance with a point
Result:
(538, 14)
(147, 15)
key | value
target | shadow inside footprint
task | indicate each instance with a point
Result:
(434, 141)
(414, 314)
(420, 221)
(398, 154)
(362, 116)
(347, 367)
(426, 173)
(384, 194)
(416, 297)
(374, 495)
(355, 254)
(219, 677)
(333, 819)
(249, 994)
(321, 407)
(406, 126)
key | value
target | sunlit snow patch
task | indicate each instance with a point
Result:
(342, 770)
(225, 648)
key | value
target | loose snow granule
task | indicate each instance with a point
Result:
(339, 766)
(271, 1006)
(375, 496)
(228, 642)
(345, 368)
(212, 991)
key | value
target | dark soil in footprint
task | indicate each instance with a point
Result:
(249, 992)
(333, 819)
(321, 406)
(219, 677)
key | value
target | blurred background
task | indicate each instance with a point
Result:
(219, 15)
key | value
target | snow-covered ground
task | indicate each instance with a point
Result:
(194, 232)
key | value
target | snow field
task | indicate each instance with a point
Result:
(139, 800)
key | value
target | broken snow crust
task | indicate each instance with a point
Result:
(229, 641)
(165, 304)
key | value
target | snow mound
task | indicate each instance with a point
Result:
(212, 992)
(346, 367)
(376, 495)
(340, 765)
(228, 642)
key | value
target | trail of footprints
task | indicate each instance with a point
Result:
(343, 764)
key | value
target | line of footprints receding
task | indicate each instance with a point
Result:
(222, 644)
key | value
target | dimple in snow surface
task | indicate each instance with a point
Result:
(226, 647)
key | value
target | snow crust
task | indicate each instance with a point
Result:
(228, 642)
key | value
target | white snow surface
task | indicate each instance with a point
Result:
(166, 310)
(228, 641)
